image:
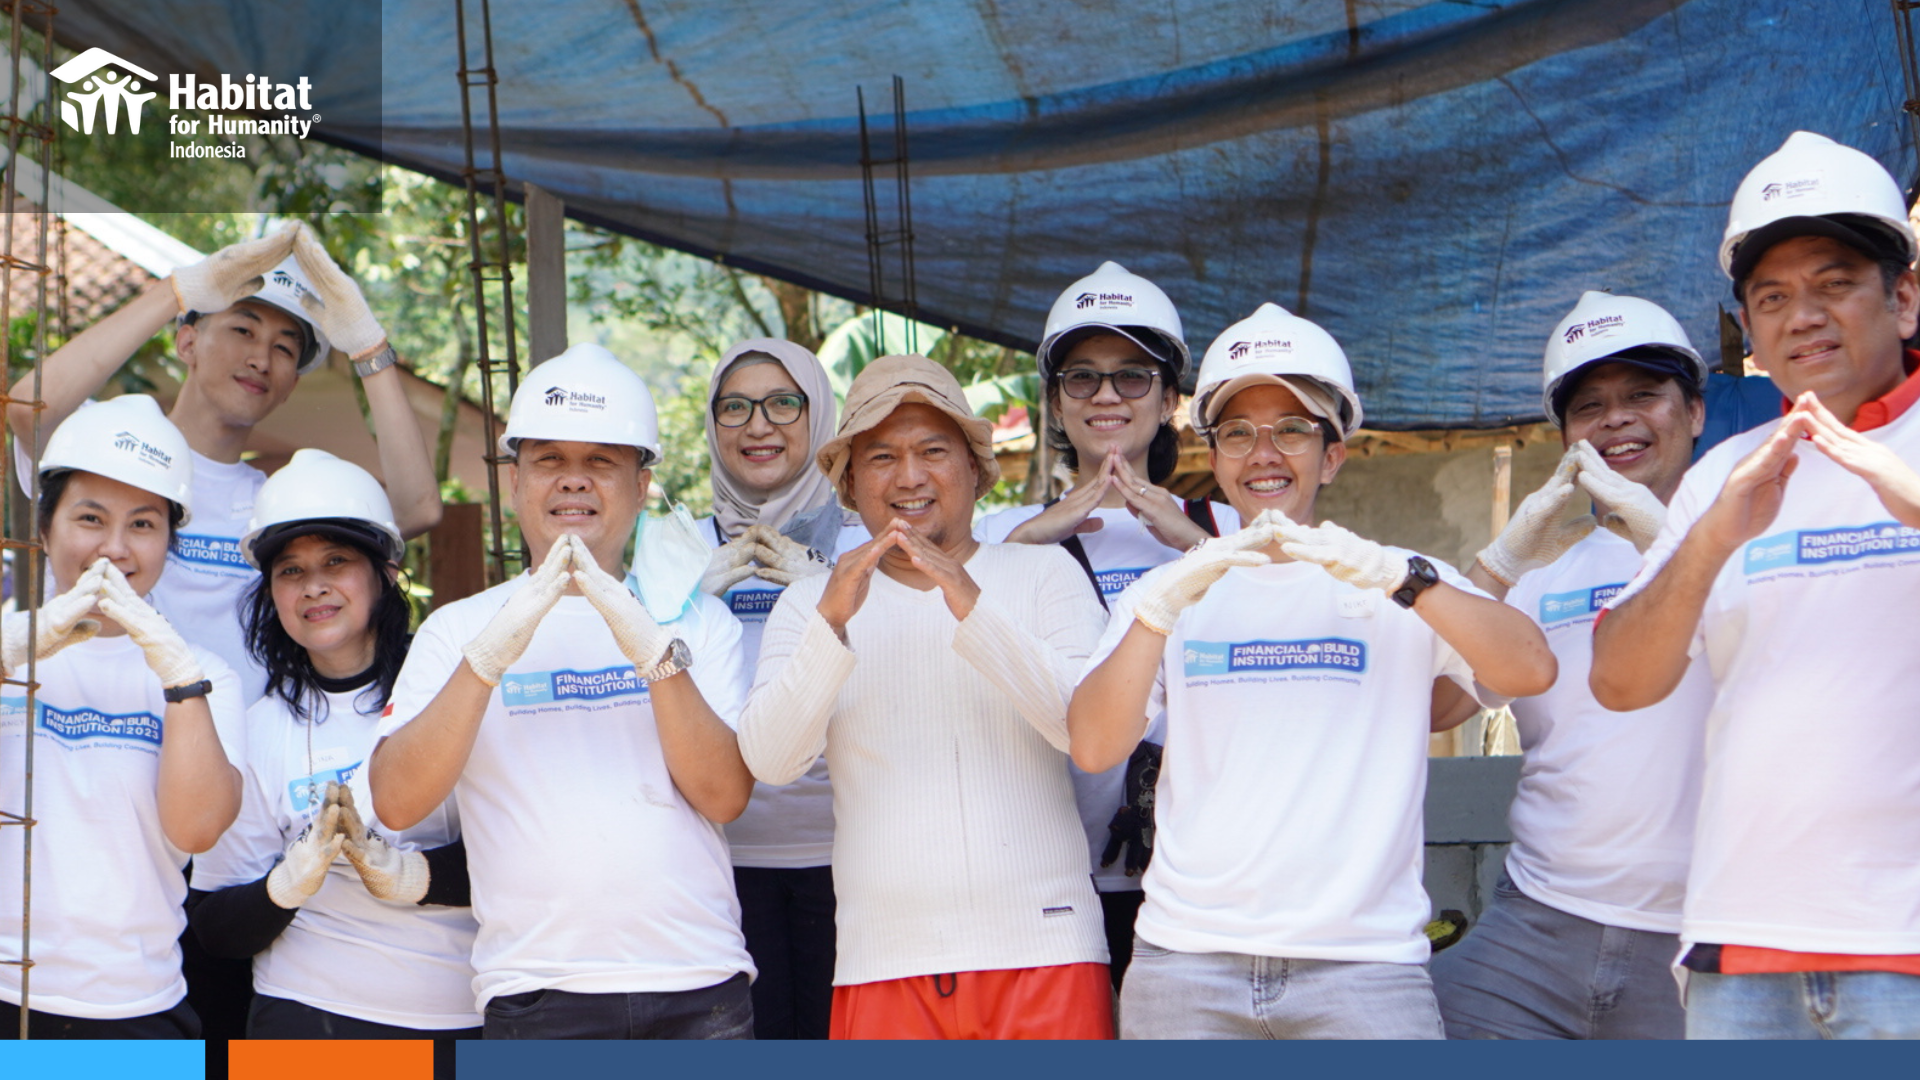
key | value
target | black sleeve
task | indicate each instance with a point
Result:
(447, 881)
(237, 922)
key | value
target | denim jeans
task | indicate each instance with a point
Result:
(1804, 1005)
(1175, 995)
(178, 1022)
(723, 1011)
(1531, 971)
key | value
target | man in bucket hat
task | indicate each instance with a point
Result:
(934, 672)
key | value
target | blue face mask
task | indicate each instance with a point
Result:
(669, 558)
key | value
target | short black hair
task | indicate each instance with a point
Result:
(54, 484)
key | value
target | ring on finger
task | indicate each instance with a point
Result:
(1143, 489)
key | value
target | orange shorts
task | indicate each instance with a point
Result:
(1067, 1001)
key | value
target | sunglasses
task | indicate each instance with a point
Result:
(1293, 436)
(1130, 383)
(736, 410)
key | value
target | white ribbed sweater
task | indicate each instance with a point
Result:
(957, 844)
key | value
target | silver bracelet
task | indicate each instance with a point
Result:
(376, 363)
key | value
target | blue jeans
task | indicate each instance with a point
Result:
(1175, 995)
(1804, 1005)
(1532, 971)
(724, 1011)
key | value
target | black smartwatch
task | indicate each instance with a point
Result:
(177, 694)
(1421, 576)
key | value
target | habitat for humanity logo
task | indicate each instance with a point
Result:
(1811, 547)
(106, 87)
(1263, 347)
(1793, 188)
(1105, 301)
(128, 443)
(1559, 607)
(1600, 327)
(559, 397)
(540, 687)
(1225, 657)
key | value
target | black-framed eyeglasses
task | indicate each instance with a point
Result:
(736, 410)
(1292, 436)
(1130, 383)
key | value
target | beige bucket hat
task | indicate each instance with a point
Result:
(885, 385)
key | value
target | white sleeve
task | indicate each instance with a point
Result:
(1697, 491)
(431, 661)
(997, 526)
(251, 845)
(803, 664)
(718, 667)
(1117, 623)
(1038, 670)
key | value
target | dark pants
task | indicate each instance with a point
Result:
(1120, 909)
(278, 1018)
(178, 1022)
(724, 1011)
(787, 916)
(218, 989)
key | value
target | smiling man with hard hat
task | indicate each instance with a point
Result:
(1578, 939)
(1301, 669)
(933, 671)
(1787, 560)
(252, 318)
(587, 747)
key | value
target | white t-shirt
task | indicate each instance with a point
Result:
(591, 872)
(107, 884)
(1807, 837)
(204, 589)
(345, 952)
(1603, 821)
(784, 827)
(1120, 550)
(1289, 810)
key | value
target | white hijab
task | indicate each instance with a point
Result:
(734, 508)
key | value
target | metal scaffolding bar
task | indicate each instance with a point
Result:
(900, 236)
(485, 267)
(26, 553)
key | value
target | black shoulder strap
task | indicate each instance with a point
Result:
(1200, 512)
(1079, 552)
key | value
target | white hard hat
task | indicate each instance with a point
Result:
(1127, 304)
(317, 492)
(127, 439)
(281, 289)
(1813, 185)
(1602, 327)
(584, 395)
(1275, 347)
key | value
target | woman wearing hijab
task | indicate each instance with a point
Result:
(776, 519)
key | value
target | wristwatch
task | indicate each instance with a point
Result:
(1421, 576)
(676, 661)
(177, 694)
(377, 363)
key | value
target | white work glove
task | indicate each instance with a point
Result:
(1633, 511)
(231, 274)
(641, 640)
(1538, 533)
(785, 560)
(1353, 559)
(63, 621)
(733, 562)
(494, 649)
(1188, 579)
(168, 654)
(338, 307)
(298, 876)
(388, 872)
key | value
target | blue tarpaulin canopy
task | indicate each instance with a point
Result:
(1435, 182)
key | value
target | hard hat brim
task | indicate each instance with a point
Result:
(1151, 341)
(1868, 238)
(1648, 358)
(261, 550)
